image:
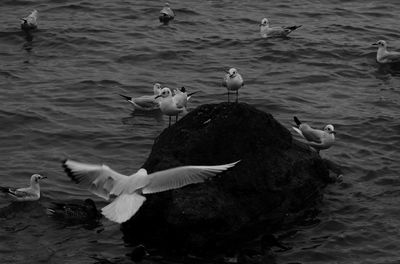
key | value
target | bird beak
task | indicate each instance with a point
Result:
(333, 132)
(157, 96)
(374, 44)
(44, 177)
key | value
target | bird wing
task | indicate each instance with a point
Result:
(391, 57)
(145, 101)
(180, 176)
(298, 131)
(99, 179)
(123, 207)
(312, 135)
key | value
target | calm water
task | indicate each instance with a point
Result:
(59, 99)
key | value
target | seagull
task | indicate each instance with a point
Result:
(181, 97)
(384, 56)
(75, 212)
(267, 31)
(233, 81)
(169, 104)
(29, 23)
(129, 190)
(145, 102)
(318, 139)
(31, 193)
(166, 14)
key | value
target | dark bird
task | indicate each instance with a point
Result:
(86, 211)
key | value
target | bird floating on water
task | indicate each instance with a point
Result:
(318, 139)
(129, 190)
(233, 81)
(75, 212)
(385, 56)
(166, 14)
(31, 193)
(267, 31)
(30, 22)
(171, 105)
(145, 102)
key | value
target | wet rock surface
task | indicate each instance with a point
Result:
(277, 177)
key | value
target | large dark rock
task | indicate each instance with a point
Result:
(275, 178)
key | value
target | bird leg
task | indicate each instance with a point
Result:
(237, 95)
(228, 96)
(169, 121)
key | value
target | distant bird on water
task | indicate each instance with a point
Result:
(30, 22)
(86, 211)
(31, 193)
(385, 56)
(129, 190)
(166, 14)
(267, 31)
(145, 102)
(318, 139)
(233, 81)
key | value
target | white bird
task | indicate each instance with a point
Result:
(267, 31)
(384, 56)
(145, 102)
(233, 81)
(31, 193)
(318, 139)
(169, 104)
(129, 190)
(166, 14)
(181, 97)
(30, 22)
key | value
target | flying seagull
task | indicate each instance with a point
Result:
(129, 190)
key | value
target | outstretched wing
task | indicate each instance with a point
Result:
(180, 176)
(99, 179)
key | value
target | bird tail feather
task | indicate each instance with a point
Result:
(123, 207)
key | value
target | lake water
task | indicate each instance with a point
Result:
(59, 98)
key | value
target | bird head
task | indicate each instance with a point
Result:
(264, 22)
(380, 43)
(164, 93)
(157, 88)
(232, 72)
(329, 129)
(37, 177)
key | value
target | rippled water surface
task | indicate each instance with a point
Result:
(59, 98)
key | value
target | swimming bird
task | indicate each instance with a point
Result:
(31, 193)
(318, 139)
(75, 212)
(129, 190)
(267, 31)
(166, 14)
(145, 102)
(385, 56)
(233, 81)
(169, 104)
(30, 22)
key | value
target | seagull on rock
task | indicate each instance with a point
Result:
(31, 193)
(266, 31)
(233, 81)
(145, 102)
(30, 22)
(385, 56)
(166, 14)
(181, 97)
(128, 191)
(170, 105)
(318, 139)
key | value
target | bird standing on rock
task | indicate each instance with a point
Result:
(170, 105)
(233, 81)
(128, 190)
(318, 139)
